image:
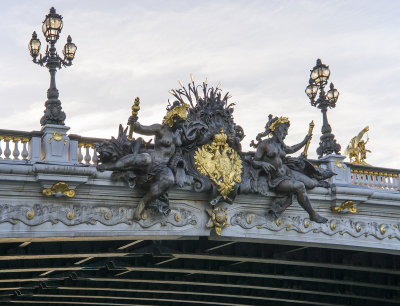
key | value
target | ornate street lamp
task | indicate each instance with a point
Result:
(318, 79)
(52, 26)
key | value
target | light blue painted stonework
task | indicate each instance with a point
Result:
(103, 208)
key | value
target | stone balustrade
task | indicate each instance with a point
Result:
(86, 149)
(28, 146)
(16, 145)
(375, 177)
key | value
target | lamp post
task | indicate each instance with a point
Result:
(52, 26)
(318, 79)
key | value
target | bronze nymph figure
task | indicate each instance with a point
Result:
(285, 175)
(152, 168)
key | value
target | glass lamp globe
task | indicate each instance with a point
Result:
(320, 73)
(312, 90)
(332, 94)
(34, 45)
(52, 26)
(69, 49)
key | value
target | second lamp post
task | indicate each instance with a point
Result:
(52, 26)
(318, 79)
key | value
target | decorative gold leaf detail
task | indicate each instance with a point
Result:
(178, 217)
(218, 219)
(220, 163)
(340, 165)
(108, 215)
(60, 187)
(57, 136)
(349, 205)
(71, 214)
(30, 214)
(178, 111)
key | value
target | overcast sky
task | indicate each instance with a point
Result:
(260, 51)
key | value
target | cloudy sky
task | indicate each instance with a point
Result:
(260, 51)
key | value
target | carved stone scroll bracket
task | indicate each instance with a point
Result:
(60, 185)
(303, 225)
(345, 207)
(71, 215)
(218, 219)
(60, 189)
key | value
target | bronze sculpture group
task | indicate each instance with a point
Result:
(198, 144)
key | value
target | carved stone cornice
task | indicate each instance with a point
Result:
(71, 215)
(303, 225)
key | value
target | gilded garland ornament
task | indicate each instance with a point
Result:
(220, 163)
(280, 120)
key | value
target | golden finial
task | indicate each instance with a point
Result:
(135, 110)
(310, 130)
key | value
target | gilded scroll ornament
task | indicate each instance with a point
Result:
(220, 163)
(61, 188)
(347, 205)
(218, 219)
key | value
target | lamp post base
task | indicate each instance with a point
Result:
(53, 113)
(328, 145)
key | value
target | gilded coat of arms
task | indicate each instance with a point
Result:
(220, 163)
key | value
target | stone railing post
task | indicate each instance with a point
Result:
(35, 149)
(55, 144)
(335, 163)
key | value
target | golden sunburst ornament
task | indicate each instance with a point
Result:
(220, 163)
